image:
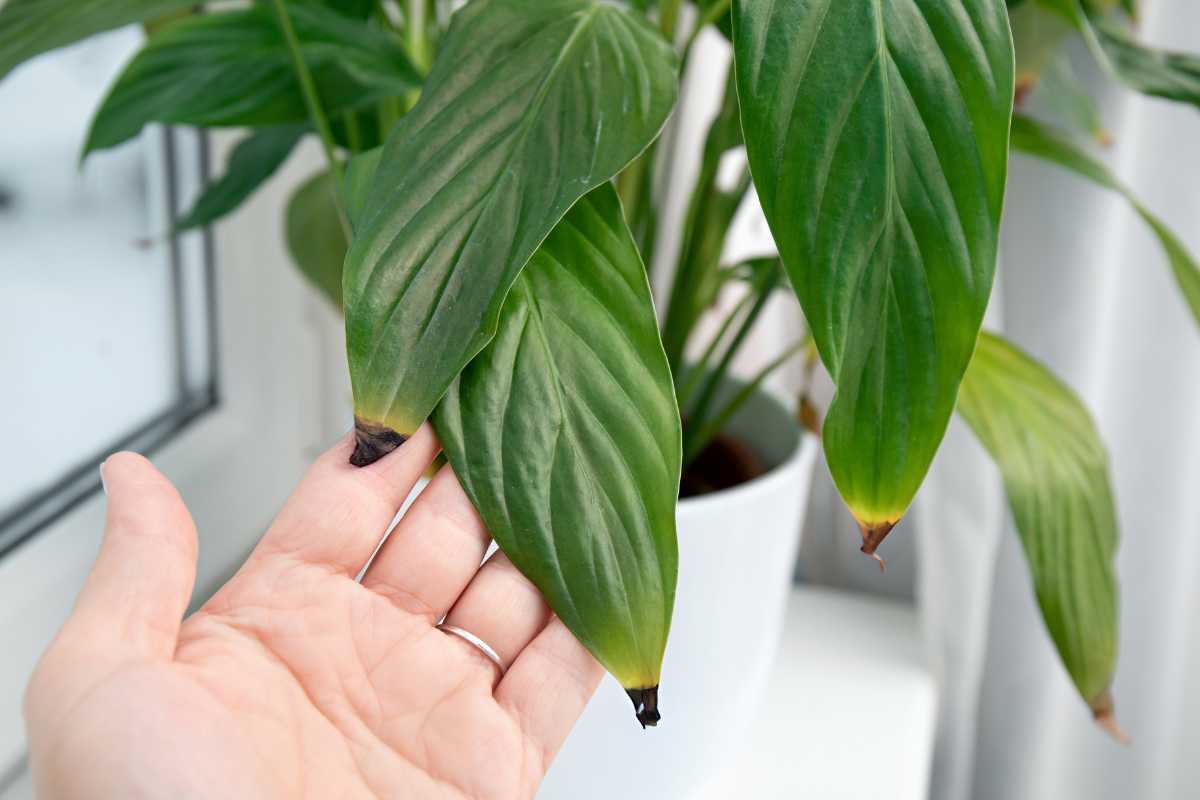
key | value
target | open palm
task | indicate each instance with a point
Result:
(296, 679)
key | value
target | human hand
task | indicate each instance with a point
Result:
(296, 680)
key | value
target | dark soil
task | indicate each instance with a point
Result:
(725, 463)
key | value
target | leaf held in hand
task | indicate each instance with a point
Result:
(527, 108)
(565, 434)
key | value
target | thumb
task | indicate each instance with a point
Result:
(139, 588)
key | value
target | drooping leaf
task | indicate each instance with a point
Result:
(584, 505)
(315, 237)
(1055, 470)
(31, 27)
(233, 68)
(527, 108)
(1149, 70)
(1061, 95)
(878, 139)
(1042, 141)
(252, 161)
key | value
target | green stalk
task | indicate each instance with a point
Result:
(415, 33)
(696, 439)
(684, 393)
(709, 17)
(353, 131)
(668, 18)
(315, 112)
(761, 294)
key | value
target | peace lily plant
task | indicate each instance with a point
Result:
(492, 194)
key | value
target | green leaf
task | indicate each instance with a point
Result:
(315, 237)
(526, 109)
(31, 27)
(1064, 97)
(255, 159)
(565, 434)
(1042, 141)
(360, 174)
(233, 68)
(1159, 73)
(1055, 472)
(878, 139)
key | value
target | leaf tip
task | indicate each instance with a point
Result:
(1104, 714)
(873, 534)
(645, 706)
(373, 441)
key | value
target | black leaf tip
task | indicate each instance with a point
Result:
(645, 705)
(372, 442)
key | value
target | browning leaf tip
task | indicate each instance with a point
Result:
(645, 705)
(373, 441)
(873, 535)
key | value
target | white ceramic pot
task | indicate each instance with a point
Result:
(737, 550)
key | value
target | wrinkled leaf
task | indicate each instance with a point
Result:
(252, 161)
(31, 27)
(315, 237)
(1055, 472)
(527, 107)
(1041, 141)
(878, 139)
(233, 68)
(584, 506)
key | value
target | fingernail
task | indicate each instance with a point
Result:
(103, 485)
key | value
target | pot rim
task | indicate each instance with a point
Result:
(804, 450)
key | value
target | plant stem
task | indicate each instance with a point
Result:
(697, 438)
(709, 17)
(700, 368)
(761, 294)
(668, 18)
(353, 131)
(315, 112)
(415, 33)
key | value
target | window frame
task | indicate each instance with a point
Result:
(42, 507)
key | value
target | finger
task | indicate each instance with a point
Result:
(339, 512)
(502, 608)
(433, 553)
(548, 687)
(140, 585)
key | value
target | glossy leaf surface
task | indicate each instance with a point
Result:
(233, 68)
(1041, 141)
(565, 433)
(877, 133)
(31, 27)
(252, 162)
(527, 108)
(1055, 472)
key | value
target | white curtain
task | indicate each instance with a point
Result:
(1086, 289)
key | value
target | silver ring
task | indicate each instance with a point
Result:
(480, 644)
